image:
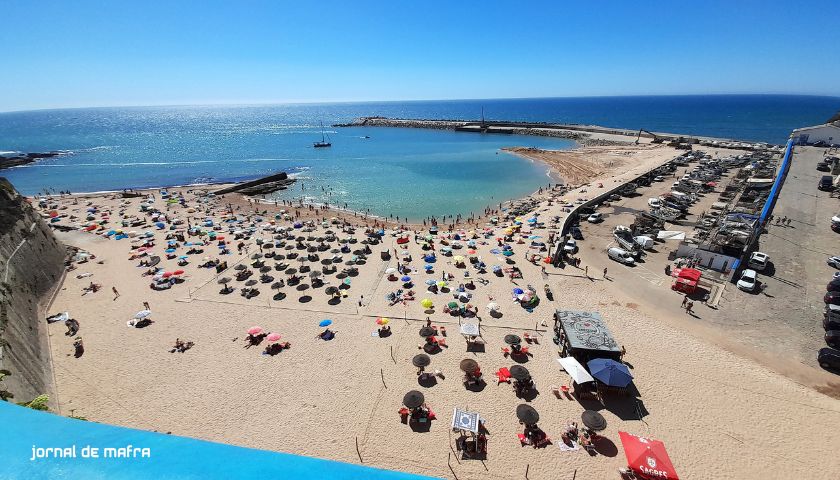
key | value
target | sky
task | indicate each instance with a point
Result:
(85, 53)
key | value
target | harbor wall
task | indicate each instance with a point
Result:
(31, 267)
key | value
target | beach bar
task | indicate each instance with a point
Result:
(584, 335)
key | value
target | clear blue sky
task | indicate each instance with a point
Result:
(91, 53)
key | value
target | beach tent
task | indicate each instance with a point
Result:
(647, 457)
(686, 279)
(575, 370)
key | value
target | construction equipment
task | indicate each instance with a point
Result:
(655, 138)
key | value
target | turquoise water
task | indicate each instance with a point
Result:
(170, 457)
(404, 172)
(409, 173)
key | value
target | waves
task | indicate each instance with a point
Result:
(140, 164)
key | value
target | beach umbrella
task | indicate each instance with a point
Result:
(325, 323)
(519, 372)
(512, 339)
(250, 283)
(647, 457)
(405, 279)
(468, 365)
(610, 372)
(390, 271)
(178, 272)
(458, 259)
(452, 305)
(273, 337)
(167, 274)
(413, 399)
(265, 269)
(493, 307)
(426, 303)
(430, 282)
(255, 330)
(518, 291)
(142, 314)
(441, 283)
(331, 290)
(527, 414)
(276, 285)
(183, 257)
(170, 250)
(428, 267)
(224, 280)
(240, 267)
(508, 253)
(382, 321)
(347, 281)
(593, 420)
(256, 256)
(427, 331)
(421, 360)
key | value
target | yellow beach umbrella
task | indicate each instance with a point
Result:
(426, 303)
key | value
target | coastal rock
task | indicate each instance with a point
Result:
(18, 159)
(260, 186)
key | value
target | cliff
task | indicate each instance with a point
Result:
(31, 264)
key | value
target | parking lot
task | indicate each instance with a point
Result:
(786, 316)
(780, 323)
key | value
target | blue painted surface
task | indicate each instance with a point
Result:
(171, 456)
(777, 185)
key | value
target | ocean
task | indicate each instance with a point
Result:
(403, 172)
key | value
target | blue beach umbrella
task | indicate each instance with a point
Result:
(518, 291)
(428, 267)
(170, 250)
(430, 282)
(508, 253)
(405, 279)
(183, 257)
(610, 372)
(325, 323)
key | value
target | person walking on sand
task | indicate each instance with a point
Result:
(586, 271)
(116, 293)
(688, 308)
(685, 300)
(146, 306)
(605, 272)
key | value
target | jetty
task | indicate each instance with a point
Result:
(260, 186)
(584, 134)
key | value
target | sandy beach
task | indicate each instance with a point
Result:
(721, 416)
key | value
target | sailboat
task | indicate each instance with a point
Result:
(323, 142)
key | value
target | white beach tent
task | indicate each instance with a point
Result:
(575, 370)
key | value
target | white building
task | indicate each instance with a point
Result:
(828, 133)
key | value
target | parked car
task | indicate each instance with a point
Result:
(654, 202)
(826, 183)
(659, 178)
(832, 298)
(748, 280)
(823, 167)
(576, 233)
(833, 285)
(829, 358)
(595, 218)
(832, 338)
(758, 261)
(570, 246)
(615, 197)
(621, 255)
(831, 322)
(833, 261)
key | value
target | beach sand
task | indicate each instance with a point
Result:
(720, 415)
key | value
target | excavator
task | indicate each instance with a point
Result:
(655, 138)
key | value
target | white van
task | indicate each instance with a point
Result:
(620, 255)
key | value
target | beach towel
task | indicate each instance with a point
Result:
(566, 448)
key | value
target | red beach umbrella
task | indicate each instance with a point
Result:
(178, 272)
(647, 457)
(273, 337)
(167, 274)
(255, 330)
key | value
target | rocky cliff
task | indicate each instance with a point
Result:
(31, 264)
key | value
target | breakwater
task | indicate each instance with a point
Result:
(590, 135)
(260, 186)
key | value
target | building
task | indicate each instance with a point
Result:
(827, 133)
